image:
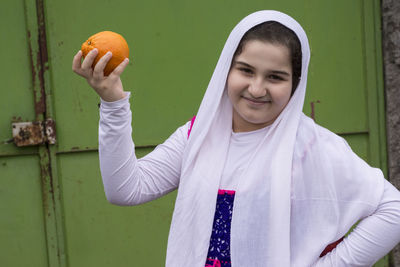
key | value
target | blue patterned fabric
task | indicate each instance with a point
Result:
(219, 250)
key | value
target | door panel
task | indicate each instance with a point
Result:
(22, 233)
(100, 234)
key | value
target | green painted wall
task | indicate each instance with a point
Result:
(60, 217)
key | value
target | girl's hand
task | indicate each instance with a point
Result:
(109, 88)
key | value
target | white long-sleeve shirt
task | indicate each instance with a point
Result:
(131, 181)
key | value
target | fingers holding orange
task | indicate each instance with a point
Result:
(101, 64)
(120, 68)
(76, 63)
(89, 59)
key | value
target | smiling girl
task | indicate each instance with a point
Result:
(259, 183)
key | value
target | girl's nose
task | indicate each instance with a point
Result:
(257, 88)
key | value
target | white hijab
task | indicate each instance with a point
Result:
(302, 189)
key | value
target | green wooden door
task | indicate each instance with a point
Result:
(52, 195)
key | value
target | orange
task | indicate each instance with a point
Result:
(107, 41)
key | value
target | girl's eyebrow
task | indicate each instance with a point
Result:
(281, 72)
(244, 64)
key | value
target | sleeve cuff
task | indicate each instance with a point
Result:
(115, 104)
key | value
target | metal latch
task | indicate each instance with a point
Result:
(34, 133)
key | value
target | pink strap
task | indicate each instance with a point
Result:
(191, 125)
(216, 263)
(223, 191)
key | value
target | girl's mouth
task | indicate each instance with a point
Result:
(256, 101)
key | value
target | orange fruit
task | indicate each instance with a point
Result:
(107, 41)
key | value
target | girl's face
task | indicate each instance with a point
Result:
(259, 85)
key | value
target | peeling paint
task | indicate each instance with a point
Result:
(16, 119)
(50, 126)
(39, 62)
(42, 32)
(40, 105)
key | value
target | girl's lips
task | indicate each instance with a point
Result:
(256, 101)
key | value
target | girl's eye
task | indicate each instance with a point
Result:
(246, 70)
(275, 77)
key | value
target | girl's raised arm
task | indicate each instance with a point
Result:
(127, 180)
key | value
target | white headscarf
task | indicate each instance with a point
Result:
(302, 189)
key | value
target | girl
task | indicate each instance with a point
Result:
(259, 183)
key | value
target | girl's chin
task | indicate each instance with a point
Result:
(256, 122)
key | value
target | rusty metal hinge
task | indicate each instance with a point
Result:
(34, 133)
